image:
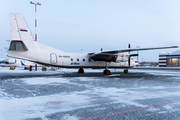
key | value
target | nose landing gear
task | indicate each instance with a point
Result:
(81, 70)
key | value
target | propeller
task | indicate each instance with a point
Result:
(129, 60)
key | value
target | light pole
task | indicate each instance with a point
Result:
(8, 41)
(1, 53)
(35, 18)
(35, 24)
(6, 48)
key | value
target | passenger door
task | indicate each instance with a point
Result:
(53, 58)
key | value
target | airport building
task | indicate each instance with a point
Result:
(169, 60)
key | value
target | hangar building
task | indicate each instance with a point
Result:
(169, 60)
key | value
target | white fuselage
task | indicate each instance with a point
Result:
(67, 60)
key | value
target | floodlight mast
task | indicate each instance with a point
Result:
(35, 17)
(35, 24)
(1, 53)
(8, 41)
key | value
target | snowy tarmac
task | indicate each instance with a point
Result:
(67, 95)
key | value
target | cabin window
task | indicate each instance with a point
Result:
(83, 59)
(71, 59)
(60, 55)
(77, 59)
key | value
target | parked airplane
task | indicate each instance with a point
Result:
(1, 60)
(10, 63)
(24, 47)
(17, 63)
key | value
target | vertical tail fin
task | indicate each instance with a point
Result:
(22, 43)
(19, 31)
(22, 63)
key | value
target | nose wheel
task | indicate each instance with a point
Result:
(81, 70)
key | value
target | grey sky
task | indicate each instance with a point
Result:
(72, 25)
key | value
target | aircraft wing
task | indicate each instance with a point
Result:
(111, 56)
(134, 49)
(137, 49)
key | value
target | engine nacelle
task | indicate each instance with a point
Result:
(10, 61)
(122, 57)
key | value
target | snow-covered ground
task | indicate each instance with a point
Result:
(67, 95)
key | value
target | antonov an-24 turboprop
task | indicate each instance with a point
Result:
(23, 46)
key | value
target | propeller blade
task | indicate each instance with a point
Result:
(134, 55)
(129, 60)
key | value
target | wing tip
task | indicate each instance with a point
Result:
(174, 46)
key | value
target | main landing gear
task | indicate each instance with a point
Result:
(126, 71)
(106, 71)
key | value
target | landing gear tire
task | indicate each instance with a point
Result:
(107, 72)
(81, 70)
(125, 71)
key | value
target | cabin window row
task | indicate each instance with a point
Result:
(77, 59)
(72, 58)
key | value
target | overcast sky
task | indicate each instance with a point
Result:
(72, 25)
